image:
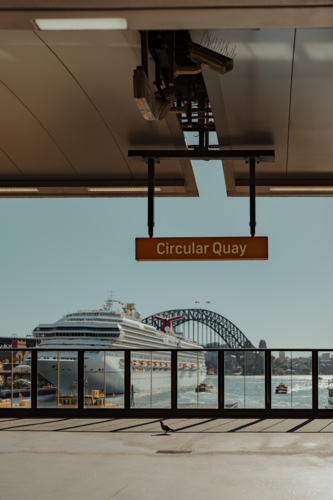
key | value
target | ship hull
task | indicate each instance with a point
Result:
(142, 379)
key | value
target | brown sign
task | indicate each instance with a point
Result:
(222, 248)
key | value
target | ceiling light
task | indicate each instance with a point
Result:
(18, 190)
(123, 189)
(303, 188)
(82, 24)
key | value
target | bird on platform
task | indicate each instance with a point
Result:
(165, 428)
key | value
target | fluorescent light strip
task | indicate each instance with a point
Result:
(18, 190)
(115, 23)
(123, 189)
(302, 189)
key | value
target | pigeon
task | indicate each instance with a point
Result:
(165, 428)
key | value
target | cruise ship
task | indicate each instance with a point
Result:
(109, 329)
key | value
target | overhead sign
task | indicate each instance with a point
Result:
(222, 248)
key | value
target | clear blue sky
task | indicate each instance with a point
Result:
(59, 255)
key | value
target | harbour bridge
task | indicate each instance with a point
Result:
(207, 328)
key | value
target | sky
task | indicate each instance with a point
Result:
(61, 255)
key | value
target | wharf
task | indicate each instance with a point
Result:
(45, 391)
(129, 459)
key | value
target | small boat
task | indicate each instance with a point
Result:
(205, 388)
(202, 388)
(231, 406)
(281, 389)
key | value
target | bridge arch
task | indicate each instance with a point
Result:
(220, 328)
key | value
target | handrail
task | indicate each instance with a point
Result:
(174, 410)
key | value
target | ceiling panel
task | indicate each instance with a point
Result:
(311, 117)
(40, 80)
(68, 113)
(111, 57)
(27, 144)
(251, 103)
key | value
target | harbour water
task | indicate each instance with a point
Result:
(247, 392)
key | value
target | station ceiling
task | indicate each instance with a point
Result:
(69, 118)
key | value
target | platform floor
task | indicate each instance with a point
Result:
(132, 459)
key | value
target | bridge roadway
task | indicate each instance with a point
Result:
(126, 459)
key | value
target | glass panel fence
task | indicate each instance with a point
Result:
(197, 375)
(244, 379)
(150, 379)
(15, 379)
(57, 379)
(325, 380)
(104, 379)
(291, 385)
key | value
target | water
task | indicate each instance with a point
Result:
(247, 392)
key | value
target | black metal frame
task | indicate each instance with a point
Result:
(250, 156)
(261, 155)
(173, 412)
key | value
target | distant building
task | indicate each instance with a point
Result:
(262, 344)
(326, 355)
(282, 355)
(9, 342)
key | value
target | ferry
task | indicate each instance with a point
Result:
(281, 388)
(97, 330)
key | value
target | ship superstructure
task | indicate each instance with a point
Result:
(109, 329)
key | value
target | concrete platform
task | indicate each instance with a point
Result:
(132, 459)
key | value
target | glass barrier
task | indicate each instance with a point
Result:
(197, 375)
(291, 385)
(57, 379)
(325, 380)
(15, 379)
(150, 379)
(244, 379)
(103, 384)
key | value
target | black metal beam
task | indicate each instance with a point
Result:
(266, 156)
(80, 386)
(253, 196)
(151, 193)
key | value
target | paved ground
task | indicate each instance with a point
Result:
(60, 459)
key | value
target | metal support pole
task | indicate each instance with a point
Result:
(253, 196)
(34, 379)
(174, 377)
(58, 382)
(189, 102)
(315, 399)
(144, 52)
(80, 386)
(151, 193)
(268, 381)
(171, 58)
(11, 383)
(127, 381)
(220, 387)
(105, 380)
